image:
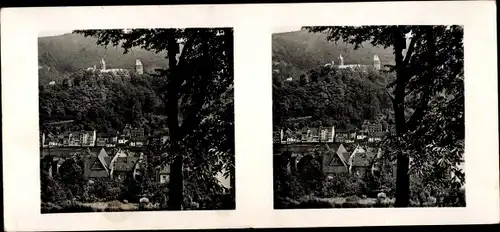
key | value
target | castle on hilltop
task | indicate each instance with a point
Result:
(375, 65)
(139, 69)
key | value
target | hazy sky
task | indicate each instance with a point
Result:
(53, 33)
(281, 29)
(275, 30)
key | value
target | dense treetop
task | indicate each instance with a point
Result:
(103, 102)
(343, 98)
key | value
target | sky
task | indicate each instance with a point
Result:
(53, 33)
(282, 29)
(278, 29)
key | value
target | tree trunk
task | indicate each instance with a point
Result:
(402, 175)
(176, 183)
(232, 179)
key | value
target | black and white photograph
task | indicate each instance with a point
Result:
(368, 116)
(136, 120)
(228, 116)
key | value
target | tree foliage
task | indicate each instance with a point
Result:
(342, 98)
(428, 66)
(198, 81)
(103, 102)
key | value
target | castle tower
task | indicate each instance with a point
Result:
(138, 67)
(103, 64)
(376, 62)
(341, 60)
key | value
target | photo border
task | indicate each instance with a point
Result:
(253, 26)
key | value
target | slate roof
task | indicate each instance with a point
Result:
(126, 164)
(103, 159)
(363, 159)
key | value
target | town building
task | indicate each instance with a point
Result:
(164, 174)
(376, 65)
(375, 128)
(138, 141)
(158, 138)
(361, 160)
(290, 136)
(88, 138)
(278, 136)
(327, 134)
(345, 136)
(74, 139)
(306, 135)
(139, 69)
(335, 161)
(362, 136)
(376, 137)
(137, 132)
(124, 166)
(122, 139)
(101, 139)
(97, 165)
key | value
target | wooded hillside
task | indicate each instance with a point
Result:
(59, 56)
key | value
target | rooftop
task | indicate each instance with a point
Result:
(126, 164)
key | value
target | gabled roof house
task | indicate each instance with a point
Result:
(97, 166)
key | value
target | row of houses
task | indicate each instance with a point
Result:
(360, 160)
(368, 133)
(134, 137)
(116, 166)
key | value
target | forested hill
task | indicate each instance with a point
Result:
(303, 51)
(102, 103)
(64, 54)
(340, 97)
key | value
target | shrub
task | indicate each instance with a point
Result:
(52, 190)
(116, 206)
(343, 184)
(311, 203)
(66, 207)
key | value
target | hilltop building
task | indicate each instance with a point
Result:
(139, 68)
(376, 62)
(341, 65)
(103, 64)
